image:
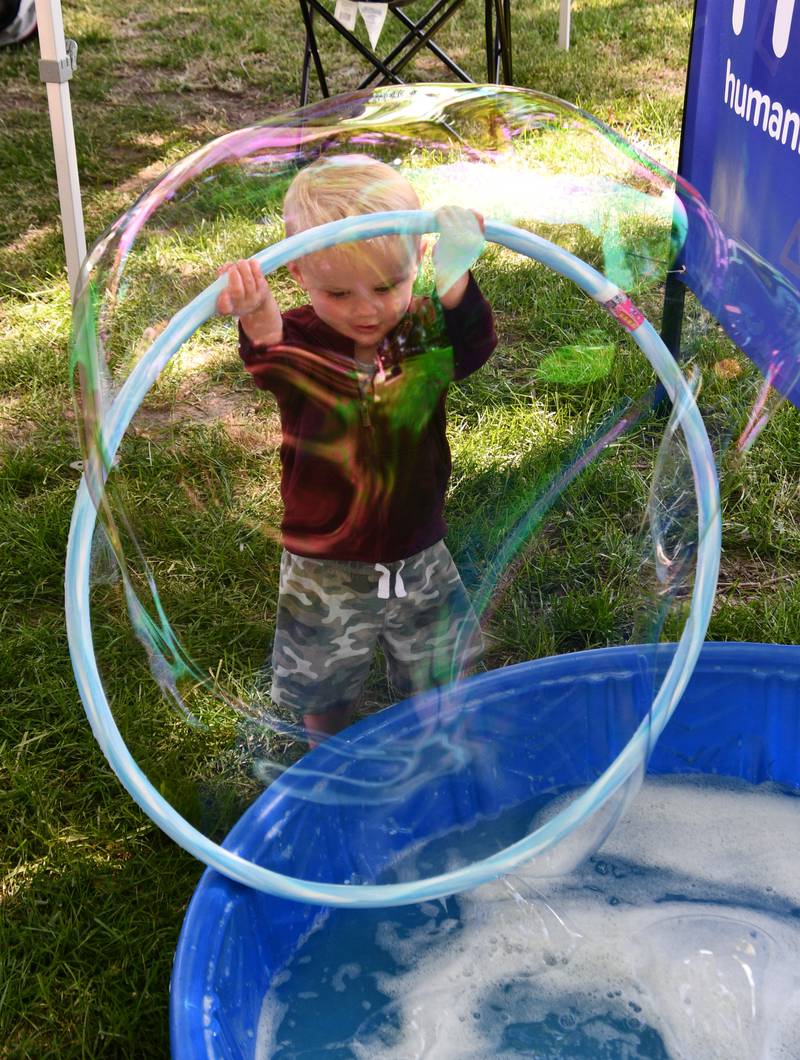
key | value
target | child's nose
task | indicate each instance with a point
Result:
(367, 302)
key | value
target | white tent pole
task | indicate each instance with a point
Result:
(564, 18)
(56, 66)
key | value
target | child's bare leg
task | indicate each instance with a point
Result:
(320, 726)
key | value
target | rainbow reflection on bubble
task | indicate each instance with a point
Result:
(192, 472)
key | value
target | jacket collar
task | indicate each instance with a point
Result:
(325, 337)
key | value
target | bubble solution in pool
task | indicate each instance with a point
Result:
(680, 939)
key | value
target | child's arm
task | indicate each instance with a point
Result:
(467, 315)
(248, 297)
(458, 248)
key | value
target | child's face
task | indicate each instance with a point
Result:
(363, 295)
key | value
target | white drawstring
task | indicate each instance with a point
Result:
(399, 588)
(385, 582)
(384, 585)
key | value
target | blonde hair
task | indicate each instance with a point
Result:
(346, 186)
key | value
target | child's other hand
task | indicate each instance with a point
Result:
(458, 248)
(248, 297)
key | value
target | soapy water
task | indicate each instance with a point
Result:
(556, 187)
(680, 939)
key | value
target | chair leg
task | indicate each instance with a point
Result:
(353, 41)
(504, 33)
(488, 17)
(311, 52)
(498, 53)
(304, 77)
(497, 15)
(424, 38)
(416, 28)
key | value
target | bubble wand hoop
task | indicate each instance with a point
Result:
(84, 519)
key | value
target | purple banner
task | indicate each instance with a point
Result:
(741, 151)
(741, 146)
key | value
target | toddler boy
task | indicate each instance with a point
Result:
(360, 375)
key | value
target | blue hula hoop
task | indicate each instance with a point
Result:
(84, 518)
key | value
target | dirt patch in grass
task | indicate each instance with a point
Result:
(16, 429)
(19, 94)
(28, 241)
(242, 414)
(196, 102)
(744, 577)
(213, 111)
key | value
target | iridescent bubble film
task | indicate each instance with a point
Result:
(347, 381)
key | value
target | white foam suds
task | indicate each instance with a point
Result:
(687, 922)
(270, 1017)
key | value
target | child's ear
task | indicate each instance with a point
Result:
(295, 273)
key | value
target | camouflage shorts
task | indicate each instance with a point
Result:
(333, 613)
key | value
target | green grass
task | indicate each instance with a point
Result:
(91, 893)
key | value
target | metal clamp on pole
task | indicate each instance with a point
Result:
(57, 71)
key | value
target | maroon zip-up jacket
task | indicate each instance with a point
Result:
(365, 465)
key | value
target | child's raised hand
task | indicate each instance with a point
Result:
(248, 297)
(457, 249)
(247, 289)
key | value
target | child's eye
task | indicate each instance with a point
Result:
(337, 294)
(385, 288)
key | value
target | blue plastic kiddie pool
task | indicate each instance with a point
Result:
(740, 717)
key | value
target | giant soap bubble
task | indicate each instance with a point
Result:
(579, 427)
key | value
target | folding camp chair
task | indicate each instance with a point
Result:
(419, 34)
